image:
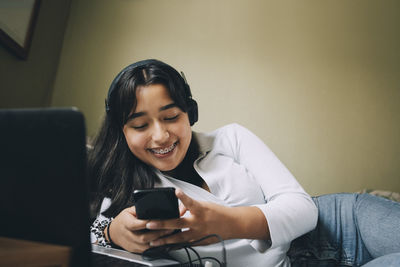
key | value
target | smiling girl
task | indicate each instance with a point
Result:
(228, 181)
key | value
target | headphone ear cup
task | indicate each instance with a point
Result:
(193, 111)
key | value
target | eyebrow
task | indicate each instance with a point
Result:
(172, 105)
(139, 114)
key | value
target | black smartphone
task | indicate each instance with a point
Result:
(156, 203)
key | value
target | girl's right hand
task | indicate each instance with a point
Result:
(131, 234)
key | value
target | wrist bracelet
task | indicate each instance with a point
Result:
(109, 236)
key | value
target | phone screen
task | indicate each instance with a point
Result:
(156, 203)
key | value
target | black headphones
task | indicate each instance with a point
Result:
(190, 102)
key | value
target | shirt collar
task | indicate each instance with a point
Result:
(205, 143)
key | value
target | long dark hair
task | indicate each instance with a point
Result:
(113, 170)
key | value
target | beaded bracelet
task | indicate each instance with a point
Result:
(97, 229)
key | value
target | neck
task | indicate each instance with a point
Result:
(185, 170)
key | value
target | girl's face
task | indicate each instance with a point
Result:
(158, 132)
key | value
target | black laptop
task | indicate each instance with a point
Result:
(43, 191)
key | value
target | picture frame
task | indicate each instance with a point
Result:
(17, 23)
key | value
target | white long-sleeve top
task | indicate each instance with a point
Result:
(240, 170)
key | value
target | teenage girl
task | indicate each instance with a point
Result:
(228, 181)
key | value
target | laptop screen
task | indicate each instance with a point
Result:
(43, 191)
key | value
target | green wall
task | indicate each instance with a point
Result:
(317, 81)
(29, 83)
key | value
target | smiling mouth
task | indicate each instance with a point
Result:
(164, 150)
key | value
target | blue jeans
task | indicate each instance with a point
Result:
(352, 230)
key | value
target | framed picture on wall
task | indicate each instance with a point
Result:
(17, 22)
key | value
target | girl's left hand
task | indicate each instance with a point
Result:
(209, 218)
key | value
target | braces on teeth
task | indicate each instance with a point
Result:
(164, 151)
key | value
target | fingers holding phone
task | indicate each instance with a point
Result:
(130, 233)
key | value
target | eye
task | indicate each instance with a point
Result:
(140, 127)
(171, 118)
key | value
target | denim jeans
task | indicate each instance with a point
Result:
(352, 230)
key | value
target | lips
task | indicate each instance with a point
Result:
(163, 151)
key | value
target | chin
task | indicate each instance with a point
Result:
(168, 165)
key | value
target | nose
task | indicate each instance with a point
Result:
(160, 133)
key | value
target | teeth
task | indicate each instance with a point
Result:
(165, 150)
